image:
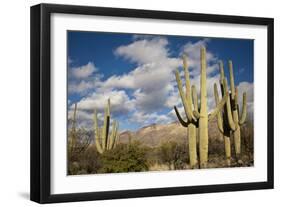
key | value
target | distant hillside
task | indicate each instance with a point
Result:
(155, 134)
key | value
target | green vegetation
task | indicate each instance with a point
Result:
(125, 158)
(169, 155)
(107, 155)
(78, 138)
(173, 154)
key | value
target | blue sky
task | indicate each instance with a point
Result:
(137, 73)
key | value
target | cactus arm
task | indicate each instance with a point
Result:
(196, 114)
(236, 97)
(73, 128)
(187, 86)
(116, 135)
(219, 107)
(230, 120)
(107, 129)
(106, 123)
(74, 117)
(221, 72)
(111, 138)
(195, 102)
(231, 77)
(219, 116)
(108, 107)
(194, 97)
(104, 130)
(244, 109)
(97, 134)
(116, 140)
(187, 110)
(183, 123)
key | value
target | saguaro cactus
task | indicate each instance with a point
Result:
(103, 139)
(197, 118)
(79, 140)
(229, 121)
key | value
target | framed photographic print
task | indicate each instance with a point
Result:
(133, 103)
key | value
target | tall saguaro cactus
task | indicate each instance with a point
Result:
(78, 137)
(229, 121)
(103, 139)
(197, 118)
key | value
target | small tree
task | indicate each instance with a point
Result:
(78, 138)
(125, 158)
(173, 154)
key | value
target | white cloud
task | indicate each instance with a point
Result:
(146, 118)
(147, 76)
(173, 116)
(83, 78)
(144, 50)
(151, 84)
(154, 80)
(83, 71)
(69, 60)
(151, 80)
(173, 98)
(249, 89)
(83, 118)
(119, 100)
(80, 87)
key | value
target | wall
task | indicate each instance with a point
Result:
(14, 104)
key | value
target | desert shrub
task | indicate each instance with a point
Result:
(90, 160)
(173, 154)
(87, 162)
(78, 142)
(247, 139)
(216, 147)
(152, 156)
(125, 158)
(73, 168)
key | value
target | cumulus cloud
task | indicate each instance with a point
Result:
(80, 87)
(146, 118)
(149, 90)
(83, 78)
(151, 80)
(144, 50)
(249, 89)
(83, 71)
(119, 100)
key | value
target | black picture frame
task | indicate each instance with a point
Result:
(41, 99)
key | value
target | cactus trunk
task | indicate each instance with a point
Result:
(237, 142)
(192, 145)
(203, 121)
(227, 148)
